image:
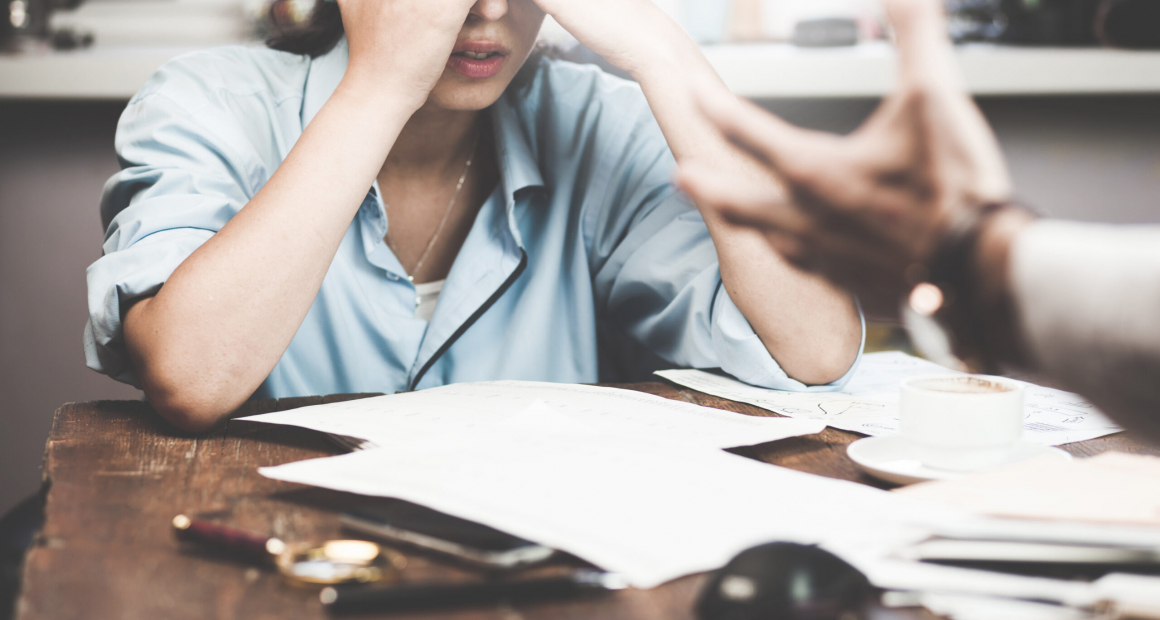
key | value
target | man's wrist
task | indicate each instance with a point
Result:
(992, 254)
(969, 270)
(993, 300)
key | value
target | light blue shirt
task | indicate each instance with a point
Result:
(584, 265)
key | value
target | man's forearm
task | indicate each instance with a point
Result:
(1088, 307)
(994, 302)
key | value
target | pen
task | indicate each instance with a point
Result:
(345, 600)
(238, 543)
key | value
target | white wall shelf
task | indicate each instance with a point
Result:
(868, 70)
(751, 70)
(97, 73)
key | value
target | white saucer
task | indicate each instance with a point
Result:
(892, 458)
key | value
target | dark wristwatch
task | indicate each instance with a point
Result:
(944, 314)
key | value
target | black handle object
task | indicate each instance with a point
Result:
(353, 599)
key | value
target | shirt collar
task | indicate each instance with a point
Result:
(518, 166)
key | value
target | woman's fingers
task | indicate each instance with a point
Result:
(401, 45)
(626, 33)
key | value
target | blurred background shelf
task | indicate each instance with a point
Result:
(100, 73)
(868, 70)
(760, 71)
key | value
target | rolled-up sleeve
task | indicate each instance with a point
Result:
(656, 275)
(742, 354)
(183, 177)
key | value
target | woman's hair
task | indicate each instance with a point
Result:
(323, 30)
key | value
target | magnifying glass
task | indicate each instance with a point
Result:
(333, 562)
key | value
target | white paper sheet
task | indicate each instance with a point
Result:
(1114, 487)
(465, 409)
(869, 403)
(973, 607)
(969, 594)
(652, 511)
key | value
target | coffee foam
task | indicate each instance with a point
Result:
(962, 385)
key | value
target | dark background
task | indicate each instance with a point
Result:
(1092, 158)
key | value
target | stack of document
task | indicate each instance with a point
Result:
(1114, 488)
(640, 485)
(633, 483)
(868, 404)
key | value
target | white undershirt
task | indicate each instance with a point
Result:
(426, 296)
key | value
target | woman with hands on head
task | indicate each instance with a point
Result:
(913, 213)
(405, 194)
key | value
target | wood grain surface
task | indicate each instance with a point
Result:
(116, 474)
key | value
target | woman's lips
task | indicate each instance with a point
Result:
(478, 59)
(477, 69)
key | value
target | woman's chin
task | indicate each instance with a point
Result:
(456, 91)
(465, 97)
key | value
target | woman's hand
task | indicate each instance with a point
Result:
(401, 46)
(867, 207)
(627, 33)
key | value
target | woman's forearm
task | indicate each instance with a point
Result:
(670, 69)
(223, 319)
(810, 327)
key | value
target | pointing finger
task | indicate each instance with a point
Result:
(925, 54)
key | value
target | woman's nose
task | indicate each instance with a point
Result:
(490, 10)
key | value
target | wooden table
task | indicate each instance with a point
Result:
(116, 474)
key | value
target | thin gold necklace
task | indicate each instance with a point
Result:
(446, 215)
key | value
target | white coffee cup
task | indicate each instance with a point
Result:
(961, 422)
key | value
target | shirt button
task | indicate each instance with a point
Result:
(392, 277)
